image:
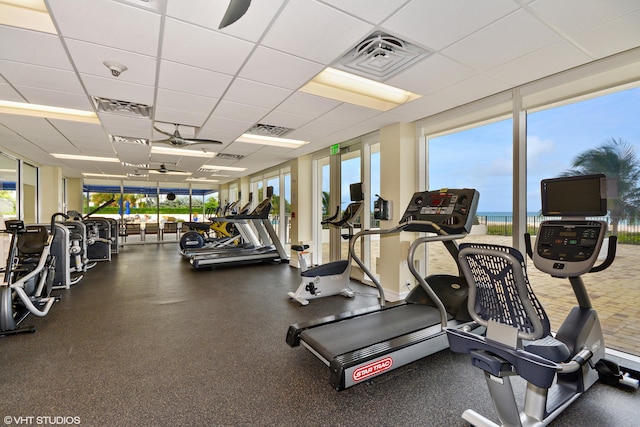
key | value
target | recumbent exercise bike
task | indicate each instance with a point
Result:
(518, 341)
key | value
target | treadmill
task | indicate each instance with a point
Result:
(362, 344)
(263, 246)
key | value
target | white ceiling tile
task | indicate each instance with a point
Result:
(40, 77)
(308, 105)
(78, 101)
(279, 69)
(208, 49)
(185, 101)
(431, 75)
(574, 16)
(546, 61)
(120, 125)
(89, 59)
(315, 31)
(373, 11)
(253, 93)
(288, 120)
(8, 93)
(78, 131)
(349, 113)
(237, 111)
(503, 41)
(182, 117)
(207, 13)
(118, 89)
(108, 23)
(196, 81)
(430, 22)
(614, 36)
(32, 128)
(50, 51)
(216, 124)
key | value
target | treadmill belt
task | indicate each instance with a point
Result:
(334, 339)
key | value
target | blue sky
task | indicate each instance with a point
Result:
(481, 157)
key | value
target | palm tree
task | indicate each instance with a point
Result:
(615, 158)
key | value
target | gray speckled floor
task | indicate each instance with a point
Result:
(145, 340)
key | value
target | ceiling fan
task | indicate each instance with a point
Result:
(161, 169)
(235, 11)
(176, 140)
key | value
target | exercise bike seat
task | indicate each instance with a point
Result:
(299, 248)
(335, 267)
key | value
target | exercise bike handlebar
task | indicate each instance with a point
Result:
(611, 252)
(611, 255)
(331, 218)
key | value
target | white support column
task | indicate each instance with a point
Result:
(397, 182)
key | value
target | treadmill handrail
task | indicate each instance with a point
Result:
(423, 283)
(354, 256)
(398, 229)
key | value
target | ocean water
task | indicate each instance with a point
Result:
(504, 213)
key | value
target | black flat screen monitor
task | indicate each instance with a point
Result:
(583, 195)
(356, 192)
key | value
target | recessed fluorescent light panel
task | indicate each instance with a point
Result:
(347, 87)
(270, 140)
(87, 158)
(103, 175)
(29, 14)
(221, 168)
(181, 152)
(169, 173)
(201, 180)
(47, 111)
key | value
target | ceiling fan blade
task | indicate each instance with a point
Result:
(202, 141)
(161, 131)
(236, 9)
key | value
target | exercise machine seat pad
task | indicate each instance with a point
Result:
(334, 339)
(548, 347)
(335, 267)
(33, 241)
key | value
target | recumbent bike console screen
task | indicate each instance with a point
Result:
(570, 246)
(446, 211)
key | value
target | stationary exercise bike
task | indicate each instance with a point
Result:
(518, 341)
(333, 277)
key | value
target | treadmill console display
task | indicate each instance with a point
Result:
(568, 248)
(446, 211)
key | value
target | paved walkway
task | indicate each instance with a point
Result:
(614, 293)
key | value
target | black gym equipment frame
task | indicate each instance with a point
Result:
(363, 344)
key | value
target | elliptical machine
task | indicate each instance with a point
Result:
(28, 276)
(518, 339)
(333, 277)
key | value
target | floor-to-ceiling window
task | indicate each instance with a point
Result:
(8, 198)
(597, 135)
(481, 158)
(350, 173)
(323, 209)
(29, 192)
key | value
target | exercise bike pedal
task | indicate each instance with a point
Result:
(609, 373)
(311, 288)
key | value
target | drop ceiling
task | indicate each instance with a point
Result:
(221, 83)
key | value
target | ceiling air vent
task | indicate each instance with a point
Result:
(127, 108)
(226, 156)
(129, 140)
(381, 56)
(269, 130)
